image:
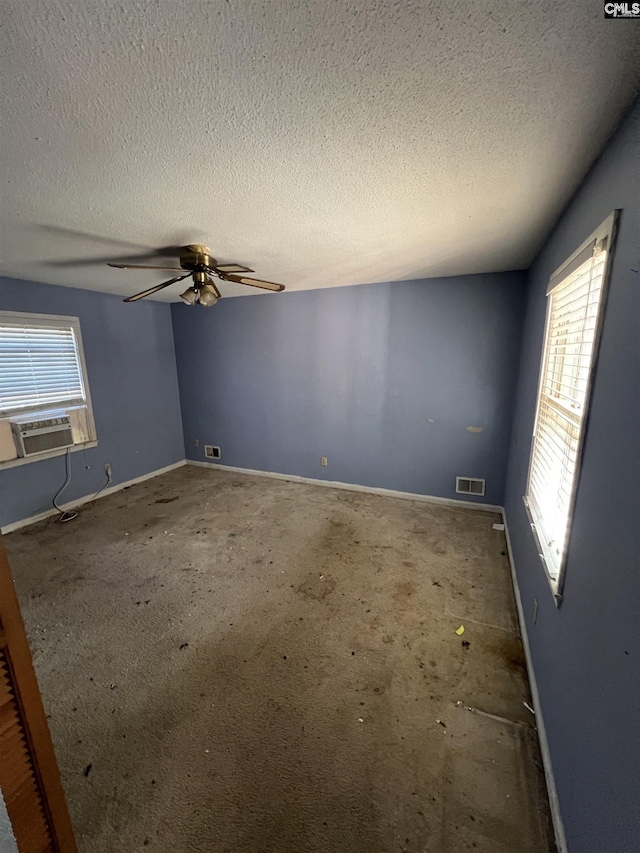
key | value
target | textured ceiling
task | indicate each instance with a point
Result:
(321, 142)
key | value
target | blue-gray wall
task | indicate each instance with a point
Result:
(586, 654)
(355, 374)
(134, 389)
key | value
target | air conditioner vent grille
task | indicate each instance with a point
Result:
(470, 486)
(47, 441)
(48, 433)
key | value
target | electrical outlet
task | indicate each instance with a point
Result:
(196, 442)
(107, 468)
(323, 460)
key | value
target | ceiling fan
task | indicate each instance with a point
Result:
(200, 266)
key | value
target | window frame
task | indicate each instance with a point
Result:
(607, 230)
(45, 320)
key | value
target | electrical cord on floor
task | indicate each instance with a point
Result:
(66, 514)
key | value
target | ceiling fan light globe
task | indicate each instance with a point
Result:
(207, 296)
(190, 296)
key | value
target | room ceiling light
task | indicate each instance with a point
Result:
(207, 295)
(190, 296)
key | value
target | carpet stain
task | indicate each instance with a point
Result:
(404, 589)
(317, 587)
(509, 650)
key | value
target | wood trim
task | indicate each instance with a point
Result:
(24, 695)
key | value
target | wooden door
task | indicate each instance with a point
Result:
(29, 775)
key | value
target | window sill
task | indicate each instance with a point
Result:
(47, 454)
(554, 583)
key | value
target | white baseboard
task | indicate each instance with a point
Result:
(351, 487)
(554, 803)
(33, 519)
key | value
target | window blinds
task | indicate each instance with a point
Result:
(572, 320)
(39, 366)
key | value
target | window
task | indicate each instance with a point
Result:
(574, 316)
(42, 373)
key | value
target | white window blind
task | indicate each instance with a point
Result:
(572, 322)
(39, 365)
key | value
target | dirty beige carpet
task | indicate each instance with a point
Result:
(235, 664)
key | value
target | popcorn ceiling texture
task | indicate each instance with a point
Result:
(325, 143)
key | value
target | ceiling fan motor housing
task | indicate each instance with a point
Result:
(200, 277)
(192, 257)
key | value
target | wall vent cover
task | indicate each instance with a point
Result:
(469, 486)
(212, 452)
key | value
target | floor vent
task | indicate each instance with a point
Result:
(212, 452)
(469, 486)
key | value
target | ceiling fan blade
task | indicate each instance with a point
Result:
(124, 257)
(217, 292)
(84, 236)
(155, 289)
(141, 267)
(233, 268)
(254, 282)
(118, 249)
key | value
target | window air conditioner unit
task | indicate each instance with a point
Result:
(38, 436)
